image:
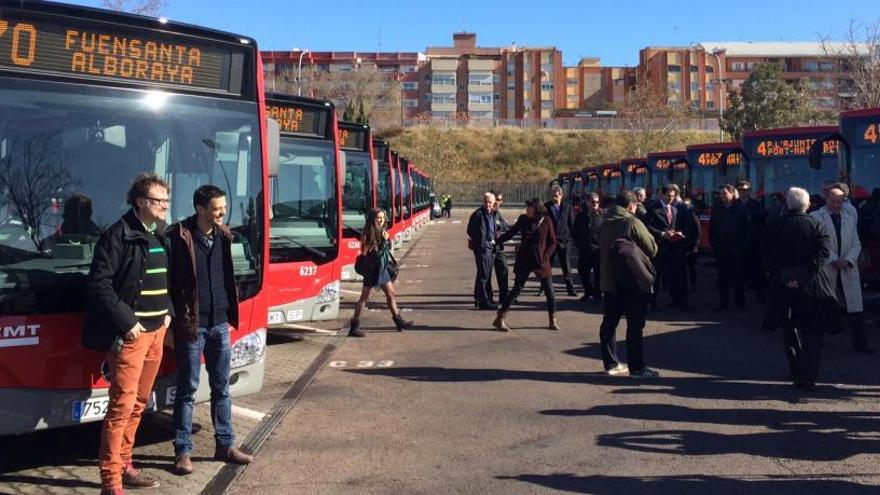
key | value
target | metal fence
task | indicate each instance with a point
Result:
(471, 193)
(561, 124)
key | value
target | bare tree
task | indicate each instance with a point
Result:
(364, 94)
(859, 57)
(30, 178)
(650, 119)
(141, 7)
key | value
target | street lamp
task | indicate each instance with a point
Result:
(299, 76)
(717, 52)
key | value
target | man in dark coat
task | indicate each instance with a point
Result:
(753, 267)
(499, 262)
(585, 233)
(481, 231)
(674, 227)
(624, 297)
(127, 315)
(729, 237)
(562, 216)
(801, 297)
(204, 295)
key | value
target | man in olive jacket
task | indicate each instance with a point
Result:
(619, 296)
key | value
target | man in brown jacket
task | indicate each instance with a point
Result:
(205, 300)
(620, 296)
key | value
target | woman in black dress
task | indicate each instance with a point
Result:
(380, 271)
(533, 256)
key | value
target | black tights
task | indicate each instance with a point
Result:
(518, 284)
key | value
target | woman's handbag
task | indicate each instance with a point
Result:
(393, 269)
(360, 265)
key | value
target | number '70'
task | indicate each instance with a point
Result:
(18, 33)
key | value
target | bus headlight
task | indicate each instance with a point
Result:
(248, 350)
(329, 293)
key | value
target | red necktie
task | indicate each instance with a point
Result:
(669, 215)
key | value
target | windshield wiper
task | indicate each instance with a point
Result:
(359, 232)
(286, 239)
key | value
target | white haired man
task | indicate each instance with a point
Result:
(482, 232)
(801, 297)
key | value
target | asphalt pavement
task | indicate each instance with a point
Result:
(452, 406)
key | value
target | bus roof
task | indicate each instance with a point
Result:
(726, 146)
(865, 112)
(667, 154)
(791, 131)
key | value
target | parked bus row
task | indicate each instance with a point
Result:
(89, 99)
(772, 160)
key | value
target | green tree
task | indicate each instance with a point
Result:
(768, 101)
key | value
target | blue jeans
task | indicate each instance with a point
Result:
(214, 343)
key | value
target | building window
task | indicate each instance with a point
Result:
(410, 103)
(480, 80)
(546, 86)
(480, 99)
(409, 86)
(695, 104)
(674, 68)
(694, 68)
(444, 79)
(710, 104)
(710, 69)
(811, 66)
(511, 85)
(442, 98)
(826, 67)
(428, 97)
(497, 97)
(737, 67)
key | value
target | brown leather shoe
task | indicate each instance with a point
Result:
(232, 455)
(183, 464)
(134, 478)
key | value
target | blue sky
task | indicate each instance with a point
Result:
(614, 30)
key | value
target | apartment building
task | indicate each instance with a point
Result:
(323, 74)
(693, 76)
(589, 87)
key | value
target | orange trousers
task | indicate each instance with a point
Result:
(132, 374)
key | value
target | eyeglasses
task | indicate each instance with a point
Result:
(158, 201)
(593, 202)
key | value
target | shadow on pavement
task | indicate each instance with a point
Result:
(693, 485)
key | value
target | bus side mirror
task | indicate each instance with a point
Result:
(816, 153)
(342, 166)
(273, 146)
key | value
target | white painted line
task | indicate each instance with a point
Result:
(350, 291)
(456, 221)
(310, 329)
(248, 413)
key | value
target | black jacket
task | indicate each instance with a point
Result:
(797, 245)
(585, 231)
(729, 228)
(684, 220)
(115, 280)
(183, 279)
(477, 230)
(564, 223)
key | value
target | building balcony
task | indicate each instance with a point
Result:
(480, 107)
(442, 107)
(443, 88)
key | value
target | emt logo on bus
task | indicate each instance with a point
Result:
(19, 335)
(84, 48)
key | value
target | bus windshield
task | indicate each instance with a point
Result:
(407, 193)
(303, 224)
(68, 154)
(865, 173)
(778, 174)
(384, 197)
(356, 195)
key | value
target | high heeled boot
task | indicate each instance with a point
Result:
(401, 323)
(552, 325)
(499, 322)
(354, 330)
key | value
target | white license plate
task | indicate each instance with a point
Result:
(276, 317)
(96, 408)
(295, 315)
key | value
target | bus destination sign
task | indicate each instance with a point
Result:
(33, 42)
(798, 147)
(352, 138)
(300, 120)
(712, 158)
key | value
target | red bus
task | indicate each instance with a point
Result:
(406, 198)
(612, 180)
(305, 219)
(780, 158)
(667, 167)
(421, 197)
(592, 179)
(707, 175)
(386, 186)
(636, 174)
(859, 166)
(77, 124)
(358, 192)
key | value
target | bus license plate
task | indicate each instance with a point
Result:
(96, 408)
(276, 317)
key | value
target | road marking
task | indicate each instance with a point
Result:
(310, 329)
(350, 291)
(386, 363)
(248, 413)
(456, 221)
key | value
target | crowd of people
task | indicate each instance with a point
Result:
(799, 260)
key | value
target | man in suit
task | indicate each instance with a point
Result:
(729, 237)
(675, 228)
(585, 233)
(561, 214)
(499, 262)
(481, 231)
(753, 267)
